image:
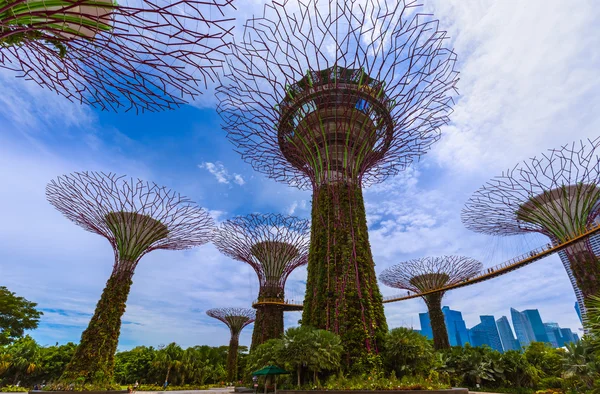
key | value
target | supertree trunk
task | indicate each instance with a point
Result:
(269, 317)
(232, 358)
(586, 268)
(268, 324)
(342, 293)
(438, 324)
(96, 351)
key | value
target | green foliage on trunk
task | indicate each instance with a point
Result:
(232, 360)
(268, 324)
(438, 324)
(94, 359)
(342, 294)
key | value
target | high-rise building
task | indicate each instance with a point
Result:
(523, 328)
(554, 336)
(539, 331)
(457, 329)
(578, 310)
(595, 243)
(509, 342)
(425, 325)
(455, 326)
(486, 333)
(567, 335)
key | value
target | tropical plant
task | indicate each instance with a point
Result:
(169, 358)
(581, 364)
(16, 315)
(407, 352)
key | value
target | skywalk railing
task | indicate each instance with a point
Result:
(488, 273)
(504, 267)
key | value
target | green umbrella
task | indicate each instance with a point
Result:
(270, 370)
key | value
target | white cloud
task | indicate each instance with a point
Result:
(221, 174)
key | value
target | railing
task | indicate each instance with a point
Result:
(276, 301)
(503, 268)
(488, 273)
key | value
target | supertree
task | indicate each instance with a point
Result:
(236, 319)
(136, 217)
(144, 54)
(335, 95)
(427, 274)
(273, 245)
(555, 194)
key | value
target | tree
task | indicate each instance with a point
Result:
(407, 352)
(169, 358)
(317, 350)
(580, 363)
(16, 315)
(24, 357)
(518, 372)
(136, 217)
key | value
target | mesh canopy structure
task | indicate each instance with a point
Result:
(304, 63)
(334, 95)
(431, 273)
(273, 245)
(142, 55)
(135, 216)
(556, 194)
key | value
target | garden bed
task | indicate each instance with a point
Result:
(453, 391)
(77, 391)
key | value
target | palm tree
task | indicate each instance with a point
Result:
(579, 362)
(326, 352)
(24, 355)
(169, 358)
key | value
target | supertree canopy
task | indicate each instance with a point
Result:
(427, 274)
(136, 217)
(236, 319)
(273, 245)
(333, 95)
(116, 54)
(556, 194)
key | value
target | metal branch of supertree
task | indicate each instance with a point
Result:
(272, 244)
(142, 55)
(134, 215)
(235, 318)
(430, 273)
(327, 89)
(555, 194)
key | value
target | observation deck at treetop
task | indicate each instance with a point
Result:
(488, 273)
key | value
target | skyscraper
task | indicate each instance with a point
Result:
(578, 310)
(523, 328)
(455, 326)
(554, 336)
(425, 325)
(486, 333)
(509, 342)
(539, 331)
(567, 335)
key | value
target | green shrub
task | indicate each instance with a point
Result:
(551, 383)
(13, 389)
(381, 383)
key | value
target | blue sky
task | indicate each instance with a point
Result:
(529, 81)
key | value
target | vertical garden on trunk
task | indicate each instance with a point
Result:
(136, 217)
